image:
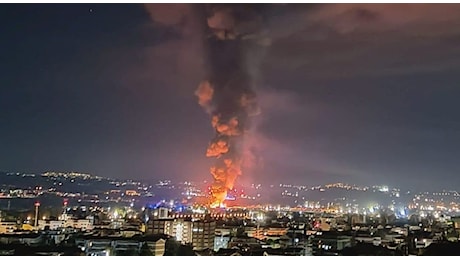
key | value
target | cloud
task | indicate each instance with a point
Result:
(175, 61)
(180, 16)
(377, 18)
(325, 41)
(333, 41)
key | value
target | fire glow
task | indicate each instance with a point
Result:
(227, 93)
(223, 147)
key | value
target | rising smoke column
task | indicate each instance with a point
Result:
(227, 94)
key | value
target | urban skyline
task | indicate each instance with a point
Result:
(71, 213)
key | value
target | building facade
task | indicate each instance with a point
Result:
(200, 233)
(203, 234)
(7, 227)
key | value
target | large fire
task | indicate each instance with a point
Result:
(223, 147)
(227, 94)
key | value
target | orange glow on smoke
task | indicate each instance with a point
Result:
(229, 128)
(217, 148)
(228, 164)
(204, 94)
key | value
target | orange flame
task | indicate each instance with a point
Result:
(205, 93)
(226, 169)
(229, 129)
(217, 148)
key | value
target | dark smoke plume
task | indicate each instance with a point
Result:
(235, 31)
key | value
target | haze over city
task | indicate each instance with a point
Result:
(362, 94)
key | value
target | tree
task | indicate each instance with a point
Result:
(185, 250)
(270, 241)
(145, 250)
(171, 247)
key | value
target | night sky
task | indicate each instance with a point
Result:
(363, 94)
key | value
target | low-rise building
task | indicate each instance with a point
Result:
(326, 241)
(8, 227)
(100, 246)
(221, 242)
(79, 224)
(244, 242)
(156, 245)
(21, 238)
